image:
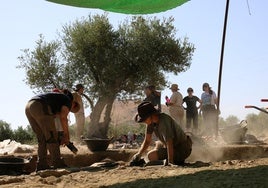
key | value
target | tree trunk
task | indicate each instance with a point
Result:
(91, 103)
(98, 129)
(104, 126)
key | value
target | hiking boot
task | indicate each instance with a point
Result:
(42, 166)
(180, 163)
(59, 164)
(56, 160)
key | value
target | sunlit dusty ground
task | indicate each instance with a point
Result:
(234, 173)
(248, 170)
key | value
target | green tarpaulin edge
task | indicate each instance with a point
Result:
(125, 6)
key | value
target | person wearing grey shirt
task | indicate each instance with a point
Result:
(175, 145)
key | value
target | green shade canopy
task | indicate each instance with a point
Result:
(125, 6)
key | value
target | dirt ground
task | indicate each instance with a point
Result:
(245, 172)
(233, 173)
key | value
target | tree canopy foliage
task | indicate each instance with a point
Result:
(42, 66)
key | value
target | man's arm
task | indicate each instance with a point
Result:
(200, 103)
(184, 101)
(64, 123)
(172, 100)
(170, 151)
(146, 143)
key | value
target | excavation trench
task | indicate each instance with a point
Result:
(86, 158)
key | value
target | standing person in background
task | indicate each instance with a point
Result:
(191, 110)
(153, 97)
(175, 105)
(209, 110)
(80, 115)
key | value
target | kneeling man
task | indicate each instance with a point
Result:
(175, 146)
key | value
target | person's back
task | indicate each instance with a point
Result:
(54, 100)
(169, 129)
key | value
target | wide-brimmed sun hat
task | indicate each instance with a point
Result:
(174, 87)
(145, 110)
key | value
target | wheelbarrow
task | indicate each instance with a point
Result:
(257, 108)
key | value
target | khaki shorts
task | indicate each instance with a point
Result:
(181, 152)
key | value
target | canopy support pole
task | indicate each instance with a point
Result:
(221, 60)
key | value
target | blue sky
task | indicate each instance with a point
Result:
(245, 62)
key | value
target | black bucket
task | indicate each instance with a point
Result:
(97, 144)
(12, 165)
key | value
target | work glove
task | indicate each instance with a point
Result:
(63, 138)
(137, 160)
(136, 157)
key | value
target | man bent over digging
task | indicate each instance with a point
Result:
(174, 146)
(41, 112)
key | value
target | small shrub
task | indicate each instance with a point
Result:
(23, 135)
(5, 131)
(118, 130)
